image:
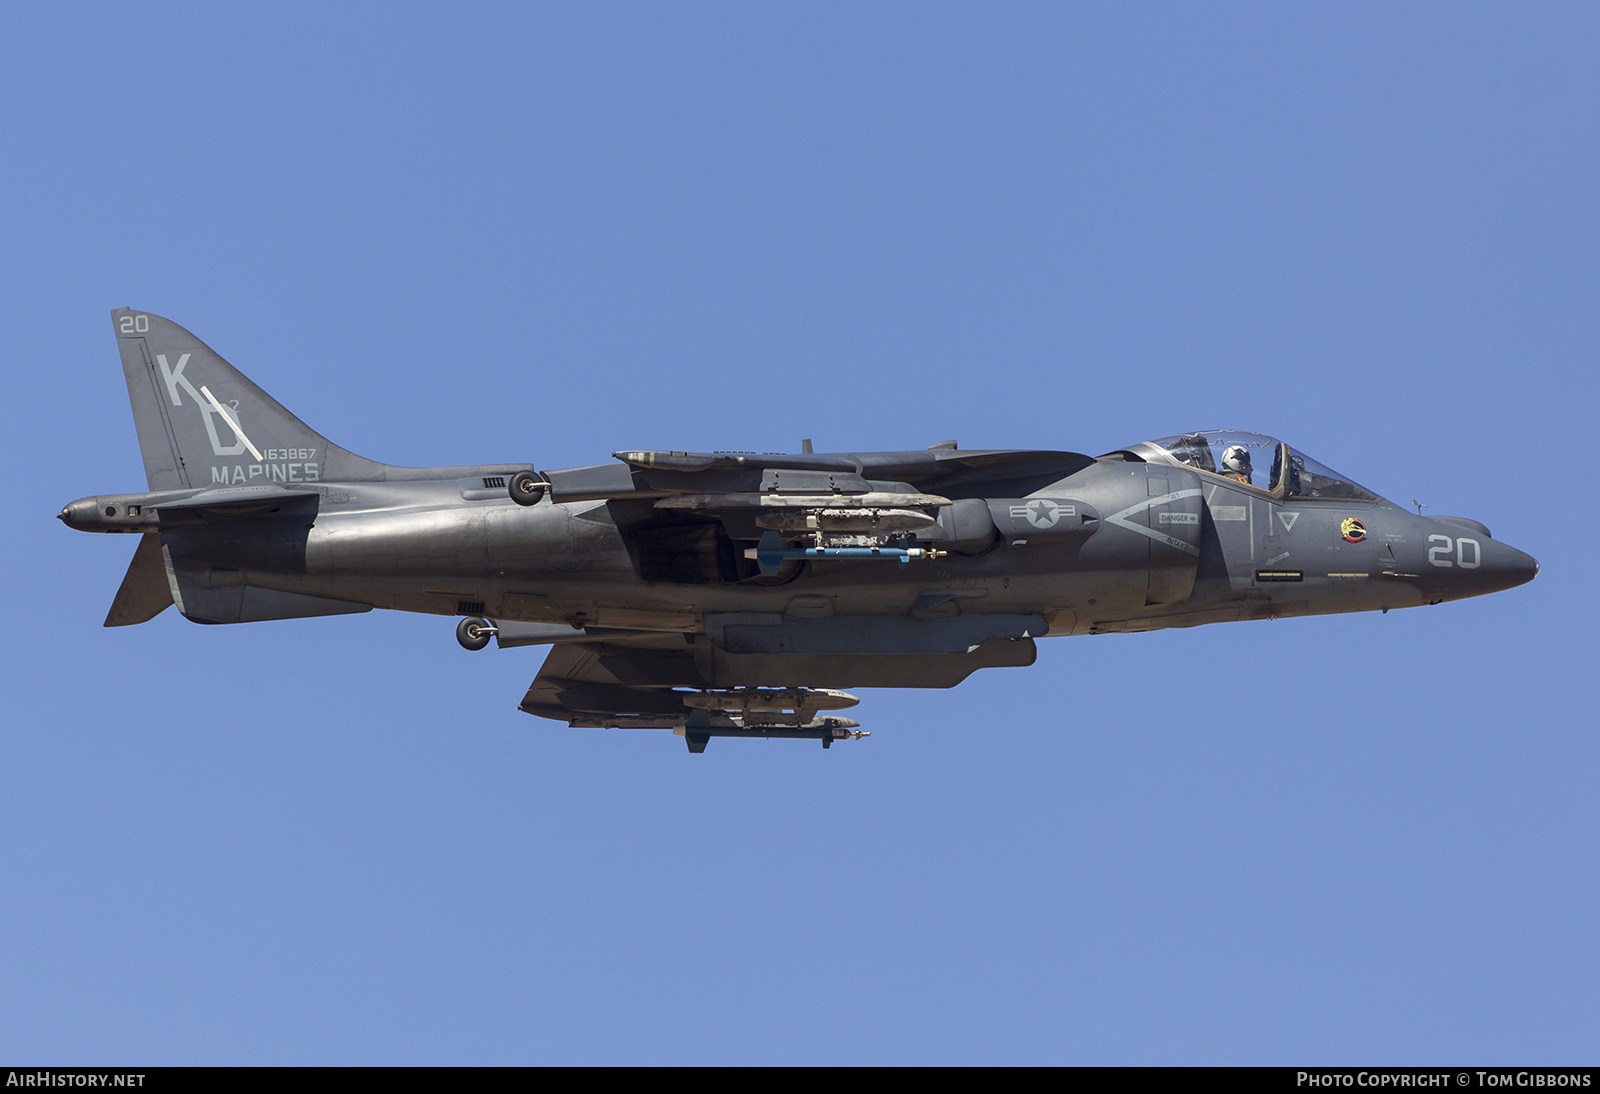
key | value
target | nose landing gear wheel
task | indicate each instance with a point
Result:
(474, 634)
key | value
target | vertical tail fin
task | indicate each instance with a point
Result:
(202, 422)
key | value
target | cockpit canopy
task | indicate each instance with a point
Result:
(1256, 461)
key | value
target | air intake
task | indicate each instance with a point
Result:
(494, 482)
(469, 607)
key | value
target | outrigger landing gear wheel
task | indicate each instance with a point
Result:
(526, 488)
(474, 634)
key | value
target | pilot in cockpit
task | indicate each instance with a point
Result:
(1236, 463)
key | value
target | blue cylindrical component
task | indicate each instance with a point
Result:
(771, 558)
(853, 552)
(771, 553)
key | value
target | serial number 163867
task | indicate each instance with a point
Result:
(291, 453)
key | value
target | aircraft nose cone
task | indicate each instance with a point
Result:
(1517, 568)
(1503, 567)
(1460, 565)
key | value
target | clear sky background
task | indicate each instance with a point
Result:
(533, 233)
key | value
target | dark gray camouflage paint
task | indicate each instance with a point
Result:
(251, 516)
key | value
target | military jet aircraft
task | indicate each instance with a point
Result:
(735, 594)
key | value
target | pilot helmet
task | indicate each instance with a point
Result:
(1236, 459)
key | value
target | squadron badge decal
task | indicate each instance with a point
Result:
(1353, 530)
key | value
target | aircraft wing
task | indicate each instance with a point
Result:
(754, 674)
(622, 682)
(938, 471)
(725, 518)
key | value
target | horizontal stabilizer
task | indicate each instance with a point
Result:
(145, 592)
(245, 498)
(221, 596)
